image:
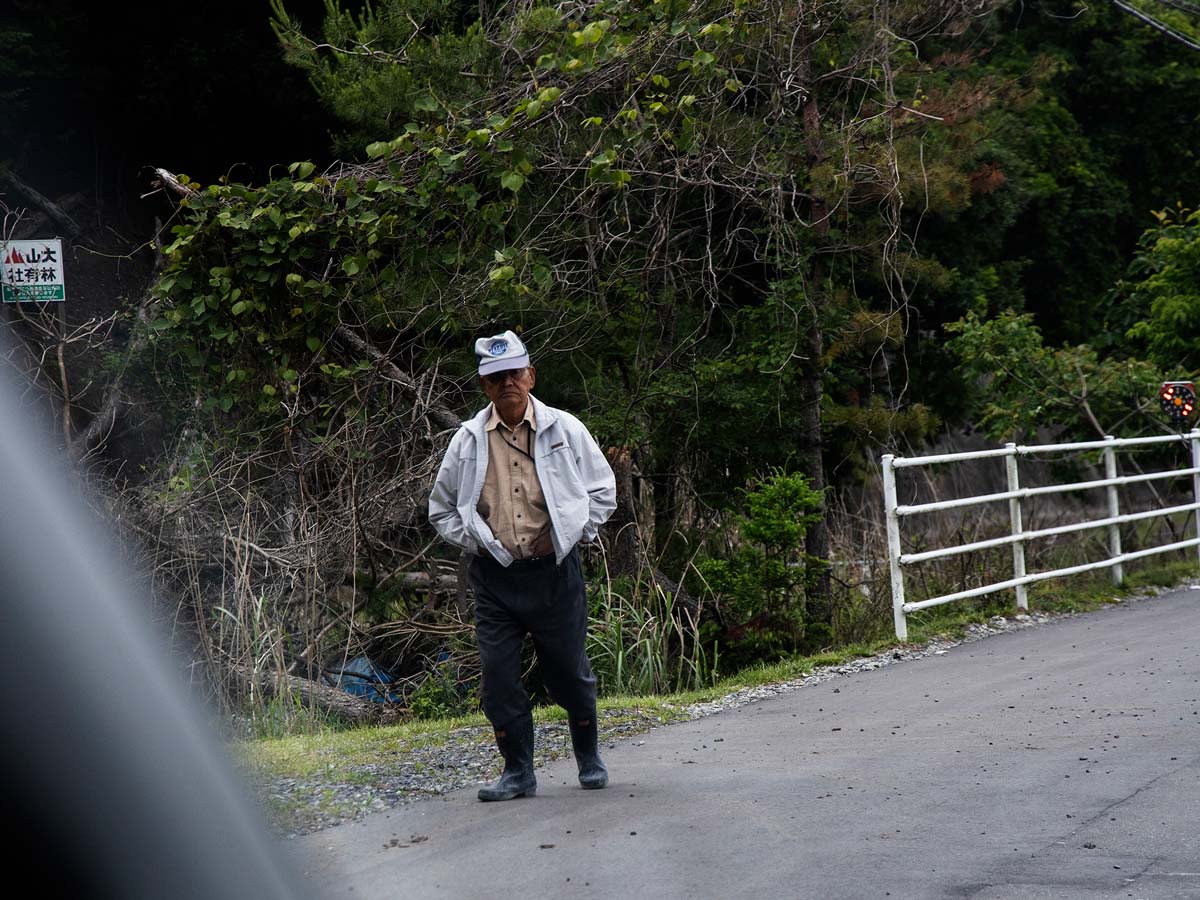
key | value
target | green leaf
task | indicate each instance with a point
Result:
(378, 149)
(512, 181)
(470, 196)
(503, 273)
(269, 390)
(313, 343)
(240, 307)
(350, 265)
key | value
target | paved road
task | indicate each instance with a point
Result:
(1061, 762)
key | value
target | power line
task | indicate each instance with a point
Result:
(1182, 5)
(1168, 30)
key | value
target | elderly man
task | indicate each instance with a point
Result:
(520, 486)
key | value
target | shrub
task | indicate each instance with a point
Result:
(440, 695)
(762, 586)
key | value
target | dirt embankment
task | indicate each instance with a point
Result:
(69, 352)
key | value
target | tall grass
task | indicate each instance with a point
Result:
(643, 640)
(264, 707)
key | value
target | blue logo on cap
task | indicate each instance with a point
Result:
(498, 348)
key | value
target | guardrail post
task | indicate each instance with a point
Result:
(1014, 513)
(1114, 510)
(893, 538)
(1195, 436)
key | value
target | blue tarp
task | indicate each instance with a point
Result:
(363, 678)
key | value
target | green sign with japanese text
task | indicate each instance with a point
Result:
(32, 271)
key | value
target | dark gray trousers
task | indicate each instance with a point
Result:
(547, 602)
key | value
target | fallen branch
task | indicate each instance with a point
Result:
(166, 179)
(440, 416)
(51, 209)
(327, 699)
(423, 581)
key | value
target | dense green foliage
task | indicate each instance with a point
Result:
(634, 183)
(752, 244)
(1124, 340)
(1091, 135)
(1023, 384)
(763, 586)
(1163, 286)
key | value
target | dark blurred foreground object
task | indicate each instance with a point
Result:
(113, 785)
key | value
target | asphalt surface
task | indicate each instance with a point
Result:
(1060, 762)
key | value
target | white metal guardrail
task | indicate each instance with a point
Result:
(1018, 537)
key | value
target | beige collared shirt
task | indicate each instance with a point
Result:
(511, 502)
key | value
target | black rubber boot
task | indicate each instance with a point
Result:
(585, 739)
(516, 746)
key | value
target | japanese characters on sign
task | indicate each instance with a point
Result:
(32, 271)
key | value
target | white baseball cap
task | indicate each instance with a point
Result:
(501, 352)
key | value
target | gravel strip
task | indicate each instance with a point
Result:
(418, 769)
(413, 771)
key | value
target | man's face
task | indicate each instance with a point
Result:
(509, 389)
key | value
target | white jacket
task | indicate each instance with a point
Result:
(576, 480)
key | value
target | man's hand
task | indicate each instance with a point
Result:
(542, 544)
